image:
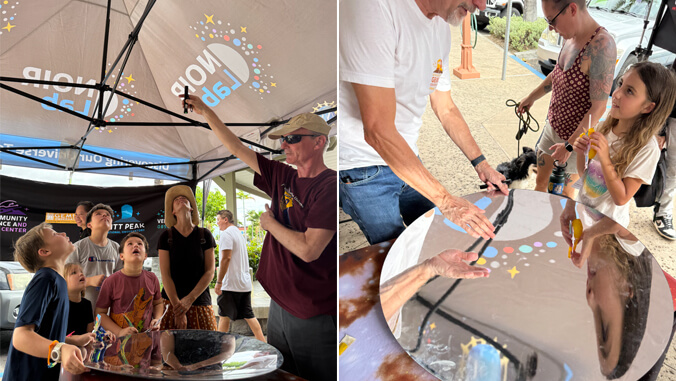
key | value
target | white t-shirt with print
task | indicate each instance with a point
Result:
(237, 277)
(391, 44)
(594, 191)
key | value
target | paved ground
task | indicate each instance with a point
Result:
(494, 126)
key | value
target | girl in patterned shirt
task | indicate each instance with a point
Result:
(623, 152)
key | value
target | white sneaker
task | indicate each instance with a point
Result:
(665, 227)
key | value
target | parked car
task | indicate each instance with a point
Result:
(13, 281)
(624, 21)
(497, 8)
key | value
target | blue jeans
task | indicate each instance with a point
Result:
(379, 202)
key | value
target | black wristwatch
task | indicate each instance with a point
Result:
(569, 147)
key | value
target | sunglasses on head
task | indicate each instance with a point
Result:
(293, 139)
(553, 22)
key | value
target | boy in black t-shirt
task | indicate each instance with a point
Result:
(40, 328)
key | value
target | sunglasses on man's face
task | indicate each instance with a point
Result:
(553, 22)
(293, 139)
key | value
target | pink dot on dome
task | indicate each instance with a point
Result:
(508, 250)
(226, 38)
(537, 244)
(256, 77)
(259, 47)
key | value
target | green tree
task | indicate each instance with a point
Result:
(215, 202)
(244, 196)
(254, 231)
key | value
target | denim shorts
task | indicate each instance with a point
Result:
(379, 201)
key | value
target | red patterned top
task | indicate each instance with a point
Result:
(570, 96)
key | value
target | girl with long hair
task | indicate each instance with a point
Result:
(625, 144)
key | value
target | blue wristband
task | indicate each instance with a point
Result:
(478, 160)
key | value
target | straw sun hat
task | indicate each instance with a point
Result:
(170, 196)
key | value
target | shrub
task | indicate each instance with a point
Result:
(523, 35)
(253, 248)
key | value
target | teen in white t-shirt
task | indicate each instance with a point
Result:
(237, 277)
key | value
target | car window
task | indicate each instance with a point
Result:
(636, 8)
(4, 285)
(19, 281)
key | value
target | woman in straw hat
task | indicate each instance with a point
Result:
(187, 263)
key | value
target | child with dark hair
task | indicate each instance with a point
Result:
(40, 329)
(81, 211)
(130, 299)
(97, 255)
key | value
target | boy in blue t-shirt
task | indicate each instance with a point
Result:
(40, 328)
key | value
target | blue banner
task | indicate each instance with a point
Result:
(90, 160)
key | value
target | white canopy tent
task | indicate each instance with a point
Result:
(257, 63)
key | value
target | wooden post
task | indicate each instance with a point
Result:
(466, 70)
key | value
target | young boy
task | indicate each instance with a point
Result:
(40, 329)
(234, 282)
(97, 254)
(132, 294)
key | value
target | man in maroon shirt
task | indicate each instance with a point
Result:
(298, 259)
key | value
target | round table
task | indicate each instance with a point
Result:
(182, 355)
(542, 313)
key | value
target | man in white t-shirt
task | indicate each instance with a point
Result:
(233, 285)
(393, 55)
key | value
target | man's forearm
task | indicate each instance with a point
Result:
(405, 164)
(294, 241)
(396, 291)
(458, 130)
(223, 268)
(231, 141)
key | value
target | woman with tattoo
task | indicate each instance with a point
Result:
(580, 84)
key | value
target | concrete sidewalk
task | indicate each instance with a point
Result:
(494, 126)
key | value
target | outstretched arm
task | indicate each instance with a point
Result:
(227, 137)
(449, 263)
(377, 106)
(457, 129)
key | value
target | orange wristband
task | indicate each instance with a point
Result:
(49, 353)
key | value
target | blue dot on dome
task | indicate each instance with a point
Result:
(255, 84)
(551, 244)
(237, 42)
(125, 101)
(490, 252)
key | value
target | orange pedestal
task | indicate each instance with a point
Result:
(466, 70)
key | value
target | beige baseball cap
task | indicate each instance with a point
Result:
(308, 120)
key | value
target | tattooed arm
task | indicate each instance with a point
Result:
(599, 61)
(540, 91)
